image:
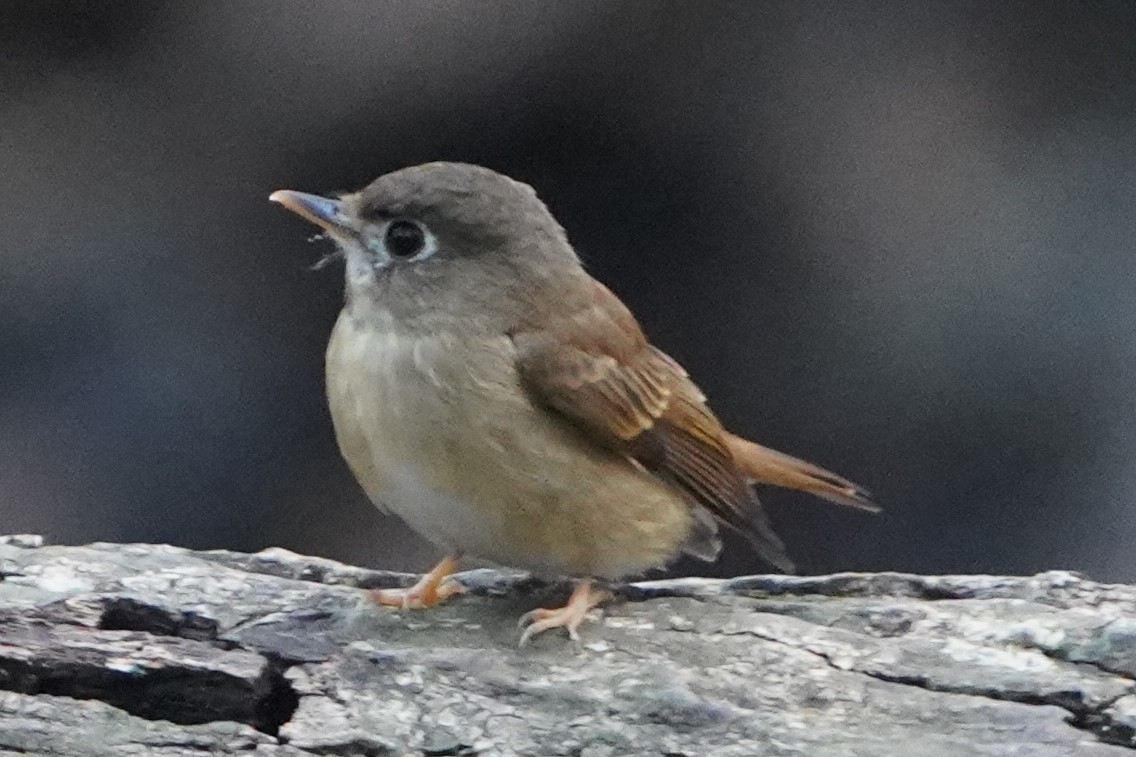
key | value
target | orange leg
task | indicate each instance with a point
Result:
(570, 616)
(431, 589)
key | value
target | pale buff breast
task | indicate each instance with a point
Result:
(438, 431)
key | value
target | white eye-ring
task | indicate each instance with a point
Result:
(404, 239)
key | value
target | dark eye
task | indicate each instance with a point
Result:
(405, 239)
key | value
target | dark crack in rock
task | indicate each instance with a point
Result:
(155, 677)
(139, 649)
(59, 726)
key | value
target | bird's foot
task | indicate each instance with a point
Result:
(570, 616)
(434, 587)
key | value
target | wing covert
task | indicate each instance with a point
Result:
(595, 368)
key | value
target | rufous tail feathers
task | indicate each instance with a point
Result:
(767, 466)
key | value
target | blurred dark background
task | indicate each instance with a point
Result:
(892, 237)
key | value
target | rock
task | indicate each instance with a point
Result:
(115, 649)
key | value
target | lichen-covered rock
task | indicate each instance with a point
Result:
(135, 649)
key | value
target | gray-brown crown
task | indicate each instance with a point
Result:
(460, 200)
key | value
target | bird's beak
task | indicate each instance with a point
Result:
(319, 210)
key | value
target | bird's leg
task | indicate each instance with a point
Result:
(570, 616)
(431, 589)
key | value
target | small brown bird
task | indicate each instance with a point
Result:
(505, 404)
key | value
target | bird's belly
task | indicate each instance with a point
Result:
(441, 433)
(446, 519)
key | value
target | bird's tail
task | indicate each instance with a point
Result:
(767, 466)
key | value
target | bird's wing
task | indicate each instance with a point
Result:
(594, 366)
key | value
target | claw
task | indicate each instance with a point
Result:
(569, 617)
(434, 587)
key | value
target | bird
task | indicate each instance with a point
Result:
(506, 405)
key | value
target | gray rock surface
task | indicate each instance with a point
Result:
(114, 649)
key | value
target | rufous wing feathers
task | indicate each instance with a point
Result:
(592, 364)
